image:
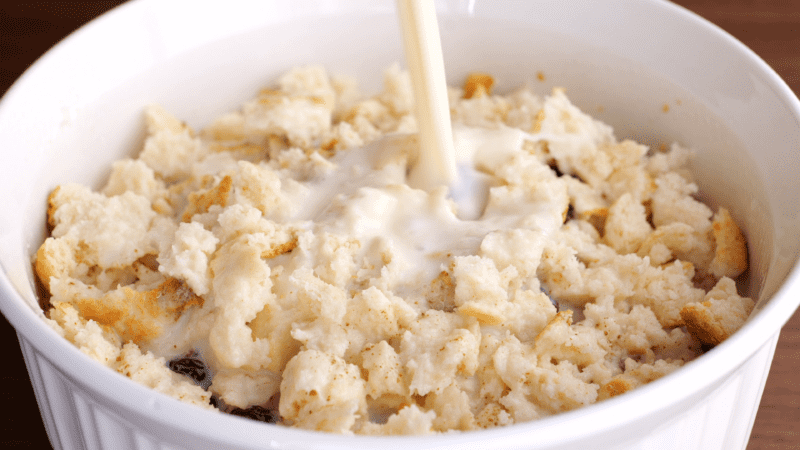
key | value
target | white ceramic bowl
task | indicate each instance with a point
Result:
(79, 108)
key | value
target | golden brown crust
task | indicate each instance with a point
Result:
(701, 325)
(44, 265)
(199, 203)
(269, 96)
(720, 315)
(597, 217)
(138, 316)
(478, 85)
(561, 319)
(280, 249)
(248, 149)
(329, 146)
(52, 260)
(730, 255)
(616, 386)
(175, 296)
(51, 208)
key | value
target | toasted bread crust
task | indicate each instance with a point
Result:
(478, 85)
(200, 202)
(730, 255)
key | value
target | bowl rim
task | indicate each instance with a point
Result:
(727, 356)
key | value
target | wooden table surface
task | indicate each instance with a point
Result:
(770, 27)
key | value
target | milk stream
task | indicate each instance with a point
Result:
(436, 164)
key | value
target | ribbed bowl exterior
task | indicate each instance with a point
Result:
(77, 418)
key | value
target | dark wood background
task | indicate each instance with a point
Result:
(770, 27)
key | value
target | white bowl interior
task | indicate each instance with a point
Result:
(80, 108)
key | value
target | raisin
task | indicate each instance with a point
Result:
(193, 367)
(570, 213)
(257, 413)
(554, 167)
